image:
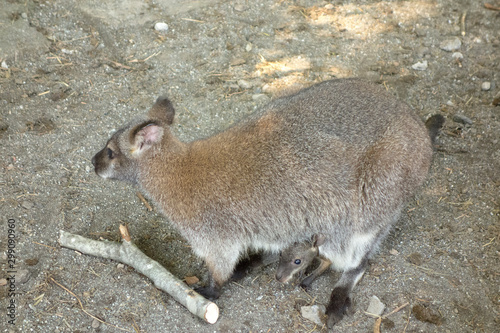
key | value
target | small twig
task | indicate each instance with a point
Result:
(125, 233)
(490, 6)
(117, 64)
(376, 326)
(490, 242)
(148, 206)
(192, 20)
(396, 310)
(146, 59)
(50, 247)
(462, 21)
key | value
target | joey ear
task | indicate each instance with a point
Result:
(163, 110)
(318, 239)
(144, 136)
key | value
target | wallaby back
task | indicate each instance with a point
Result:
(339, 158)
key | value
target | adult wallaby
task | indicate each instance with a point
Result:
(339, 158)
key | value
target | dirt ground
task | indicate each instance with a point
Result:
(73, 71)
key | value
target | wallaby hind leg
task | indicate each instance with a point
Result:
(340, 299)
(323, 266)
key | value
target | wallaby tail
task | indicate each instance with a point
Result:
(434, 124)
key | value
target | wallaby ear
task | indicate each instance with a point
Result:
(163, 110)
(144, 136)
(318, 239)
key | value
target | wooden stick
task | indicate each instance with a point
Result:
(490, 6)
(127, 253)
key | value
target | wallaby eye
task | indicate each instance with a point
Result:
(297, 261)
(111, 155)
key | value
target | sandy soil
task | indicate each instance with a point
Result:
(72, 72)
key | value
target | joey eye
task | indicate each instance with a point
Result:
(111, 155)
(297, 261)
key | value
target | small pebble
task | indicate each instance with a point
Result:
(423, 51)
(421, 31)
(240, 8)
(3, 282)
(4, 65)
(451, 44)
(120, 266)
(450, 103)
(460, 118)
(95, 323)
(27, 204)
(420, 66)
(457, 55)
(24, 15)
(486, 86)
(375, 307)
(22, 276)
(244, 84)
(161, 26)
(237, 62)
(313, 313)
(260, 98)
(394, 252)
(249, 47)
(329, 6)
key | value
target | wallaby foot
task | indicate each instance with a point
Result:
(340, 299)
(338, 306)
(212, 290)
(209, 292)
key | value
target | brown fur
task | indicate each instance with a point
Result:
(339, 158)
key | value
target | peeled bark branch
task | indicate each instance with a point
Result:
(127, 253)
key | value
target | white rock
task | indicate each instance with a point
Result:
(244, 84)
(486, 86)
(375, 307)
(313, 313)
(457, 55)
(329, 6)
(260, 98)
(451, 44)
(4, 65)
(420, 66)
(22, 276)
(249, 47)
(240, 8)
(161, 26)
